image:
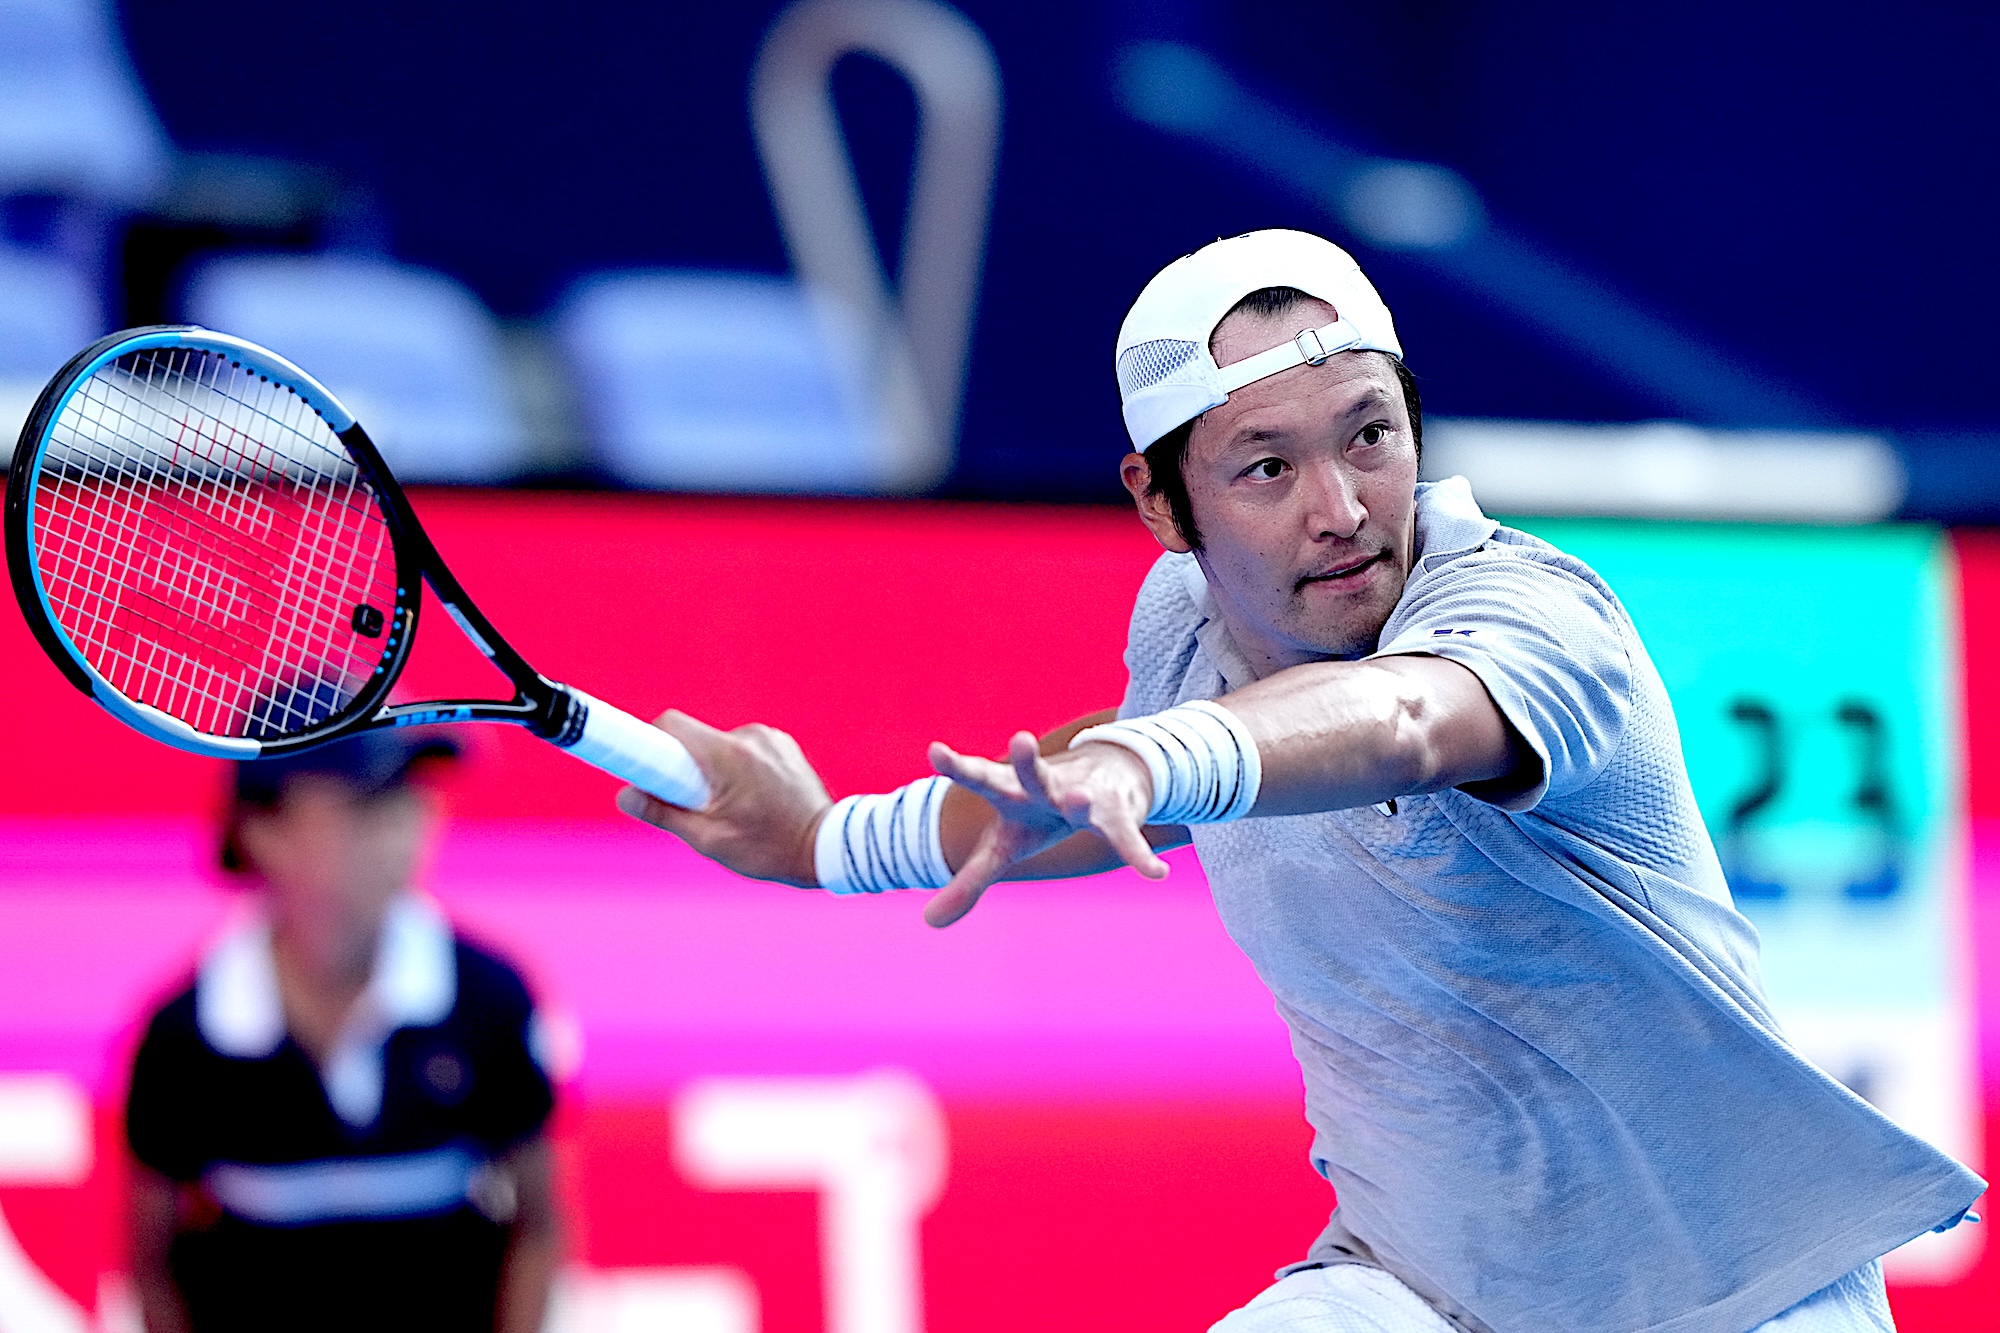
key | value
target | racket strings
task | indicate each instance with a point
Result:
(132, 519)
(177, 584)
(204, 539)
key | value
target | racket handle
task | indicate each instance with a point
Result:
(643, 755)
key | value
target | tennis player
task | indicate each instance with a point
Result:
(1438, 792)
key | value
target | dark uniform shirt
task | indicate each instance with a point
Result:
(302, 1220)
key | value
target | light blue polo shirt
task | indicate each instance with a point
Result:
(1538, 1062)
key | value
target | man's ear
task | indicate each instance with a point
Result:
(1154, 510)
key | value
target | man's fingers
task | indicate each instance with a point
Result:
(953, 901)
(692, 732)
(650, 809)
(704, 743)
(975, 877)
(995, 782)
(950, 903)
(1024, 754)
(1129, 841)
(631, 801)
(1126, 836)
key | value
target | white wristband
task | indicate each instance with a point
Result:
(1204, 763)
(873, 844)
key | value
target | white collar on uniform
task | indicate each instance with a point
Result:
(414, 983)
(1449, 521)
(1223, 654)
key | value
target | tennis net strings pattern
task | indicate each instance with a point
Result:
(210, 547)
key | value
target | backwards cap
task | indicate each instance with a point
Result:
(1166, 376)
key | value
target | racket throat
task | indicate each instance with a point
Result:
(563, 717)
(544, 708)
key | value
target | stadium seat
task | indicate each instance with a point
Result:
(414, 355)
(48, 311)
(719, 381)
(73, 120)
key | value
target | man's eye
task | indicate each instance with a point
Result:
(1266, 469)
(1374, 433)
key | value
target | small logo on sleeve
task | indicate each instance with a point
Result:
(1441, 633)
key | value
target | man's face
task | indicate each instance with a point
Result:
(332, 859)
(1303, 486)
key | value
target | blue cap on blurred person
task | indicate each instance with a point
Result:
(370, 762)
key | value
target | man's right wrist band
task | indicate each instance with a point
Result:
(874, 844)
(1204, 763)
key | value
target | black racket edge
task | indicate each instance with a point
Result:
(538, 703)
(359, 713)
(27, 446)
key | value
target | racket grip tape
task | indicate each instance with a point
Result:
(643, 755)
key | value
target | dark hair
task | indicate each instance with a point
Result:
(1166, 456)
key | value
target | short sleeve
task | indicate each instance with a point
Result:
(1546, 642)
(1161, 642)
(161, 1126)
(514, 1097)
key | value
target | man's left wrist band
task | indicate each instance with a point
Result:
(1202, 759)
(875, 844)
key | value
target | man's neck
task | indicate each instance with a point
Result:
(318, 995)
(1263, 653)
(1260, 653)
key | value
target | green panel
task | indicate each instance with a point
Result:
(1840, 643)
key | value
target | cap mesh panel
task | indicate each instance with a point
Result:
(1143, 365)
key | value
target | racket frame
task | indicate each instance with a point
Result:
(539, 704)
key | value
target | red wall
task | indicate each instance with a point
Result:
(866, 629)
(1979, 624)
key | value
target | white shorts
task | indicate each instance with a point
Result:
(1350, 1298)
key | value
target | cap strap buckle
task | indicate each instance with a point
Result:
(1310, 347)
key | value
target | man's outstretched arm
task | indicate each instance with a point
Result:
(767, 803)
(1328, 736)
(968, 818)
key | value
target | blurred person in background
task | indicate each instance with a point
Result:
(340, 1123)
(1439, 795)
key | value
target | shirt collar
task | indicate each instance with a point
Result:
(414, 982)
(1449, 523)
(1216, 644)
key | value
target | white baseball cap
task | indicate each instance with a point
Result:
(1166, 376)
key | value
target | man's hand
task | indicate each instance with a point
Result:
(765, 801)
(1041, 800)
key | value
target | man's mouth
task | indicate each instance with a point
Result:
(1342, 572)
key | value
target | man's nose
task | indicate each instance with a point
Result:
(1335, 508)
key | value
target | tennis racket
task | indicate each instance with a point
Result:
(208, 544)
